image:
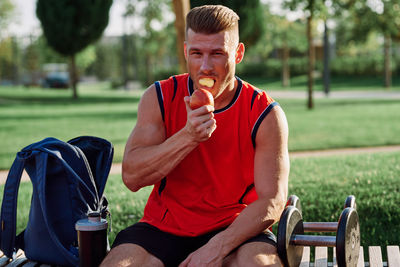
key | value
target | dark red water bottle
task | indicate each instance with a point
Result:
(92, 240)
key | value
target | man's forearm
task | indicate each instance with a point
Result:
(255, 218)
(144, 166)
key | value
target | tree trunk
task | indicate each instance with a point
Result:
(310, 103)
(181, 8)
(124, 61)
(149, 71)
(388, 69)
(73, 76)
(15, 74)
(326, 75)
(285, 65)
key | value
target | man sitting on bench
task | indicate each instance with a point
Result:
(220, 173)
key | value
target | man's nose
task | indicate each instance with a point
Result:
(206, 64)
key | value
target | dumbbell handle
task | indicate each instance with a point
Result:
(313, 240)
(320, 226)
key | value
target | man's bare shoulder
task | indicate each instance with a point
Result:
(274, 127)
(150, 94)
(149, 108)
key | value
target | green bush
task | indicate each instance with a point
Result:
(271, 68)
(367, 65)
(163, 74)
(372, 64)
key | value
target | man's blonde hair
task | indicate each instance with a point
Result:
(211, 19)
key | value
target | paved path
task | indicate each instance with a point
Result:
(116, 167)
(366, 94)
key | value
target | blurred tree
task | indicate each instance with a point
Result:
(10, 54)
(380, 16)
(284, 35)
(312, 9)
(101, 67)
(32, 64)
(181, 8)
(251, 26)
(6, 13)
(71, 25)
(157, 37)
(85, 58)
(5, 59)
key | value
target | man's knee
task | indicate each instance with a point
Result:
(254, 254)
(130, 255)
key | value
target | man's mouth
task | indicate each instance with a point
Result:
(207, 82)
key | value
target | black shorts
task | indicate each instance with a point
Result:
(169, 248)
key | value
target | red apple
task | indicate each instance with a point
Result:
(201, 97)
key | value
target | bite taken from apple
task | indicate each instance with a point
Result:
(208, 82)
(201, 97)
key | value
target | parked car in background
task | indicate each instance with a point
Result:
(56, 80)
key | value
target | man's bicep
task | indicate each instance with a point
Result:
(149, 128)
(271, 163)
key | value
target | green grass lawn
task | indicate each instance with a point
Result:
(322, 184)
(29, 115)
(342, 123)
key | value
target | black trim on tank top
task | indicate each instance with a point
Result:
(259, 120)
(253, 97)
(235, 97)
(165, 214)
(162, 185)
(175, 87)
(190, 86)
(160, 99)
(245, 193)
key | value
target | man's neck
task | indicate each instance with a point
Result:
(226, 96)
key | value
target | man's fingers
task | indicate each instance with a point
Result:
(185, 262)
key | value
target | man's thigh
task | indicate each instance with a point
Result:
(254, 254)
(257, 251)
(130, 255)
(171, 250)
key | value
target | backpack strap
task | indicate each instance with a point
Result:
(9, 206)
(70, 254)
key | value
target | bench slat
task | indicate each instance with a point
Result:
(393, 256)
(321, 257)
(361, 258)
(305, 260)
(375, 256)
(334, 261)
(31, 264)
(3, 261)
(17, 262)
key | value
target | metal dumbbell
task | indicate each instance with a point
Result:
(291, 237)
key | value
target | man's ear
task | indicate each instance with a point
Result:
(184, 49)
(239, 53)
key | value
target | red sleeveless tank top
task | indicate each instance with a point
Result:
(215, 182)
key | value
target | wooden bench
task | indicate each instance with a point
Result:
(374, 258)
(321, 258)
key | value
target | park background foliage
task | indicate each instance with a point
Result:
(362, 40)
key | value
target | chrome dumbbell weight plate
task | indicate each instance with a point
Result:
(290, 224)
(350, 202)
(293, 200)
(348, 238)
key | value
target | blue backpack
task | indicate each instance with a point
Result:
(68, 181)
